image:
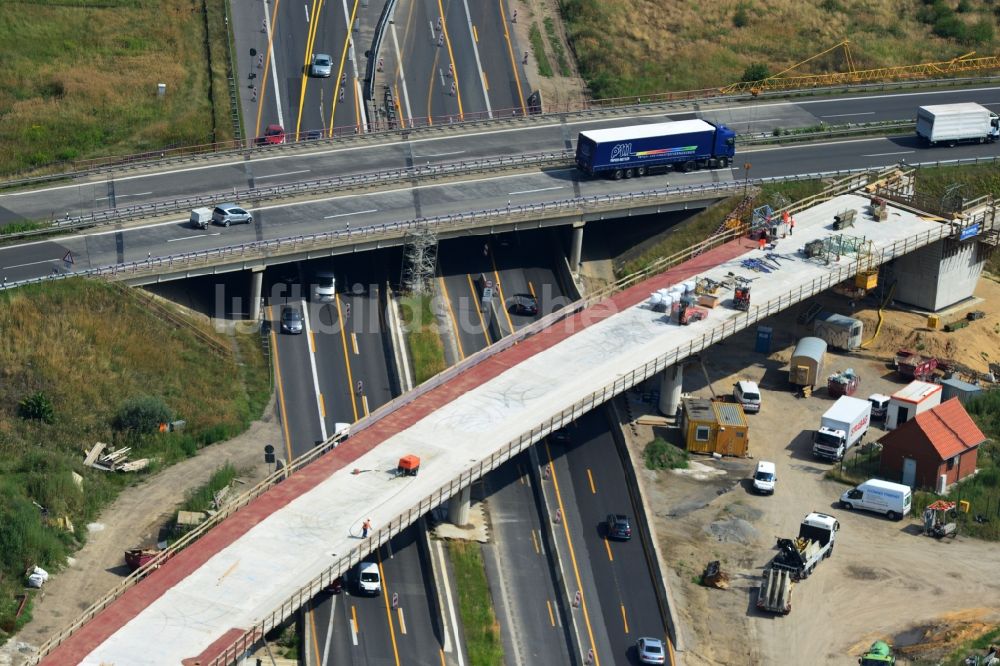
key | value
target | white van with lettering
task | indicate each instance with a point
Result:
(892, 499)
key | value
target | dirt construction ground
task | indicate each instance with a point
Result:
(885, 579)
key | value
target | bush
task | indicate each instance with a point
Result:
(949, 26)
(142, 415)
(758, 71)
(37, 407)
(964, 6)
(741, 18)
(979, 34)
(661, 455)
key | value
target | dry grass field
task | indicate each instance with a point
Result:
(632, 47)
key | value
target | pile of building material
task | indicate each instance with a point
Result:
(109, 459)
(714, 576)
(842, 383)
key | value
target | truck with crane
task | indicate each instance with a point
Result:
(795, 560)
(952, 124)
(626, 152)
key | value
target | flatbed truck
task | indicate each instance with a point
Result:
(795, 560)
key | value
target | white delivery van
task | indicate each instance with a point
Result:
(200, 217)
(747, 393)
(368, 579)
(324, 287)
(764, 478)
(892, 499)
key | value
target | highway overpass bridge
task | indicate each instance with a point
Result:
(207, 601)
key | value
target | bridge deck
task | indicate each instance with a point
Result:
(237, 574)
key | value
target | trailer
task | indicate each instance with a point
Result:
(839, 331)
(795, 560)
(952, 124)
(912, 365)
(626, 152)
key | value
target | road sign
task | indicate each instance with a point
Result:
(68, 257)
(268, 453)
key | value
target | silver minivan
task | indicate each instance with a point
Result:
(230, 213)
(747, 393)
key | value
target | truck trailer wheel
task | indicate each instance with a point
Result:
(640, 171)
(688, 166)
(723, 162)
(617, 174)
(629, 173)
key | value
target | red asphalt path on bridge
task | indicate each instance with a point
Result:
(138, 597)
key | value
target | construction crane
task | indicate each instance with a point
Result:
(963, 63)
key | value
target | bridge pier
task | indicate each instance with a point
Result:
(256, 291)
(671, 382)
(458, 507)
(576, 246)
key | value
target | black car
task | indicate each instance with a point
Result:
(291, 320)
(523, 304)
(619, 527)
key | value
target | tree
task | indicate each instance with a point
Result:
(37, 407)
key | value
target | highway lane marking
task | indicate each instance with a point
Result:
(503, 299)
(274, 73)
(479, 62)
(32, 263)
(607, 547)
(572, 557)
(845, 115)
(310, 40)
(347, 359)
(452, 152)
(441, 653)
(534, 542)
(320, 408)
(278, 175)
(306, 7)
(531, 288)
(590, 477)
(359, 212)
(624, 618)
(364, 404)
(401, 73)
(901, 152)
(433, 30)
(582, 121)
(451, 605)
(184, 238)
(475, 34)
(761, 120)
(354, 342)
(119, 196)
(312, 341)
(388, 613)
(281, 386)
(354, 625)
(312, 626)
(454, 319)
(402, 622)
(479, 311)
(343, 55)
(552, 616)
(329, 630)
(540, 189)
(510, 51)
(451, 59)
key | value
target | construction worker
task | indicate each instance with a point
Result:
(791, 225)
(365, 528)
(762, 240)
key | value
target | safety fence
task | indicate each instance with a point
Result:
(715, 333)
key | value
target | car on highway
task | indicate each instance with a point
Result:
(273, 136)
(523, 304)
(651, 651)
(324, 287)
(368, 579)
(312, 135)
(291, 320)
(321, 66)
(619, 527)
(230, 213)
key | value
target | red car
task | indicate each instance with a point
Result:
(273, 135)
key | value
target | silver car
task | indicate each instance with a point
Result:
(321, 66)
(230, 213)
(291, 320)
(651, 651)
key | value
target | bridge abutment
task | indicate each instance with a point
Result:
(671, 382)
(256, 291)
(576, 247)
(939, 275)
(458, 507)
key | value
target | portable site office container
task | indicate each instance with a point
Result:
(806, 366)
(909, 401)
(839, 331)
(714, 427)
(956, 388)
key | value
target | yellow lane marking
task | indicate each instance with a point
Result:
(607, 546)
(347, 360)
(572, 557)
(281, 387)
(322, 406)
(354, 618)
(364, 404)
(503, 299)
(534, 541)
(315, 637)
(552, 616)
(402, 622)
(267, 67)
(479, 310)
(310, 40)
(354, 343)
(388, 612)
(624, 618)
(451, 58)
(590, 477)
(486, 81)
(441, 652)
(399, 109)
(475, 34)
(312, 341)
(340, 70)
(510, 50)
(531, 288)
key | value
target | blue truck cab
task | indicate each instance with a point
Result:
(626, 152)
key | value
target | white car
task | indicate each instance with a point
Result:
(321, 66)
(747, 393)
(651, 651)
(764, 478)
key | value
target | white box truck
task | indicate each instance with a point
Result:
(952, 124)
(841, 427)
(892, 499)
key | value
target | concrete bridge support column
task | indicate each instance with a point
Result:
(576, 247)
(671, 382)
(458, 507)
(256, 290)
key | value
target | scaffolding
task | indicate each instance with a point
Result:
(419, 260)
